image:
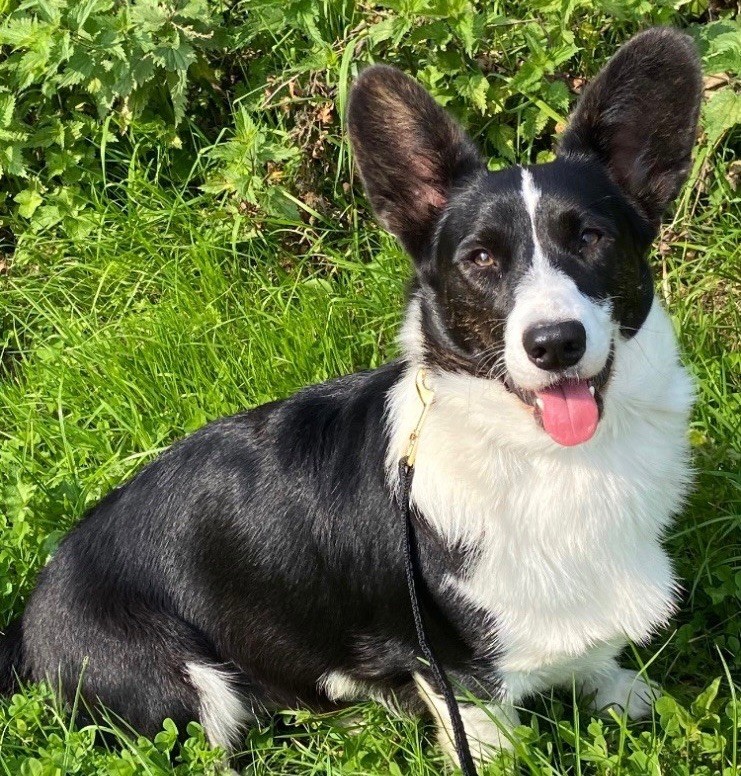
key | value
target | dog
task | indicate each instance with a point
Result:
(258, 564)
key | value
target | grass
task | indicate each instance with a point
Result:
(174, 311)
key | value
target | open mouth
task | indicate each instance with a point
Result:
(569, 409)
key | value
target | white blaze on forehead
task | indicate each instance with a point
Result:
(531, 195)
(544, 295)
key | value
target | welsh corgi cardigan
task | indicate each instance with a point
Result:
(258, 564)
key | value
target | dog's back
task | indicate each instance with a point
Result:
(264, 541)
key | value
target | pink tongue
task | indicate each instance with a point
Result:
(569, 413)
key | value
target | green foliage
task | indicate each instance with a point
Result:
(720, 47)
(695, 739)
(231, 90)
(75, 76)
(240, 161)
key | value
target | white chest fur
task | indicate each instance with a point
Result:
(568, 554)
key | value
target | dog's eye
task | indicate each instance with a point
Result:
(589, 238)
(482, 258)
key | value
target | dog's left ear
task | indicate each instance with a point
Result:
(638, 117)
(410, 154)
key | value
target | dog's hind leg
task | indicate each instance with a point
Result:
(225, 708)
(140, 664)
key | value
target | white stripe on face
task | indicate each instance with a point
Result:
(547, 295)
(531, 195)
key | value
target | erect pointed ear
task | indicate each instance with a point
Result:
(409, 151)
(639, 118)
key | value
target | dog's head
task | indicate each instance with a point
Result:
(529, 275)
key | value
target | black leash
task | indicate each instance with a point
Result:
(414, 575)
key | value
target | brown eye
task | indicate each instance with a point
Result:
(482, 258)
(589, 238)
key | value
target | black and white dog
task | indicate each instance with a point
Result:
(258, 564)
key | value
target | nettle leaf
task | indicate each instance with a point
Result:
(720, 45)
(178, 84)
(144, 70)
(194, 9)
(149, 15)
(533, 123)
(79, 68)
(109, 39)
(61, 50)
(12, 161)
(79, 14)
(436, 33)
(123, 80)
(7, 107)
(75, 129)
(322, 57)
(502, 138)
(436, 82)
(468, 27)
(560, 54)
(59, 162)
(474, 88)
(10, 136)
(30, 68)
(381, 31)
(178, 57)
(395, 28)
(48, 134)
(724, 54)
(20, 32)
(305, 14)
(722, 113)
(556, 94)
(28, 200)
(528, 78)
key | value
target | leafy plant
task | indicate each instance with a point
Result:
(224, 95)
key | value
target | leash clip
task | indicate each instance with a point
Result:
(426, 395)
(415, 580)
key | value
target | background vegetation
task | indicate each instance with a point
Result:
(181, 237)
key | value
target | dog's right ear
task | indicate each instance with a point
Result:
(638, 118)
(410, 154)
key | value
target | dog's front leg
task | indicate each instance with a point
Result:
(489, 726)
(612, 688)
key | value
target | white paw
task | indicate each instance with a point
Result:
(489, 728)
(622, 691)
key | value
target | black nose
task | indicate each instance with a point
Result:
(555, 345)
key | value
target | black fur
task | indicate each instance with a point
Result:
(464, 307)
(410, 154)
(639, 118)
(11, 657)
(269, 542)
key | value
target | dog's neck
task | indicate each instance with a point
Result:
(480, 442)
